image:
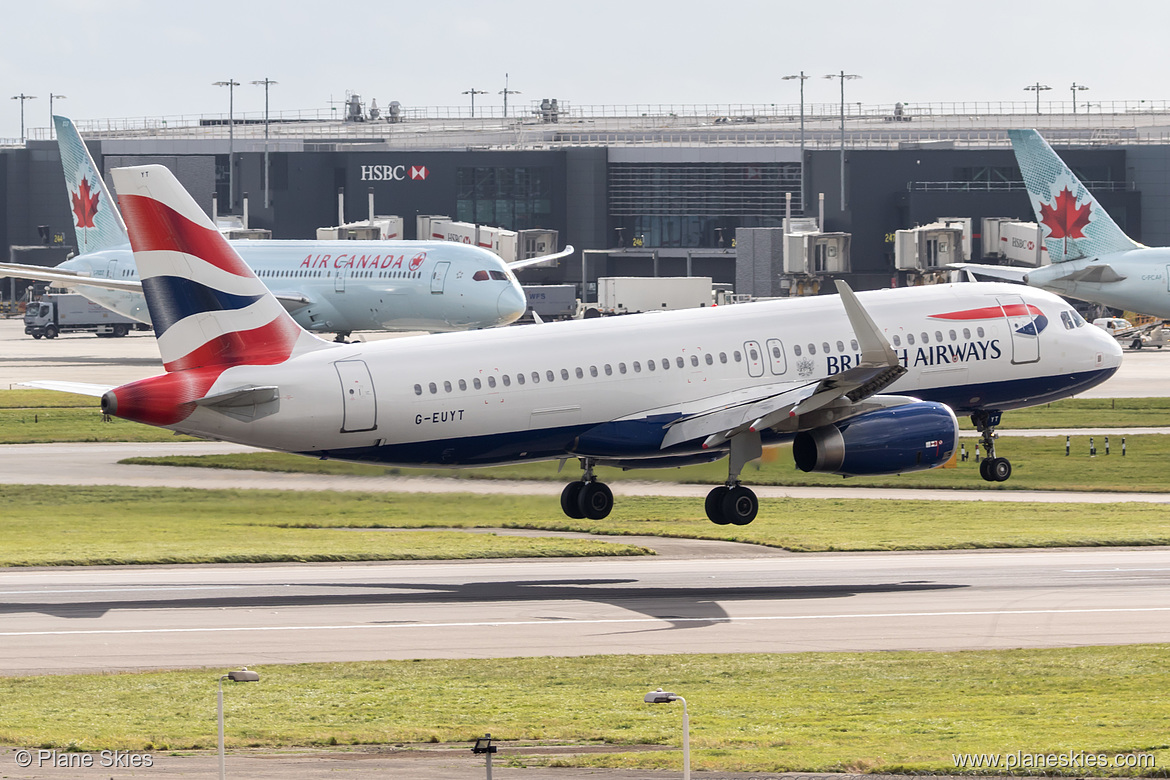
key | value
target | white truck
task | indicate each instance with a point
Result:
(70, 313)
(553, 301)
(631, 294)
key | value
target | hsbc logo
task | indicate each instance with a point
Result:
(394, 173)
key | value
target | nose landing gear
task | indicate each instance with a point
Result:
(992, 469)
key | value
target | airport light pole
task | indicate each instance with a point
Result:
(231, 84)
(844, 77)
(802, 78)
(267, 82)
(23, 97)
(1037, 88)
(243, 675)
(1075, 89)
(666, 697)
(51, 96)
(473, 92)
(505, 92)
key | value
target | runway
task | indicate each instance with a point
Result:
(101, 619)
(97, 464)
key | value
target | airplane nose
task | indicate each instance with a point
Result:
(511, 304)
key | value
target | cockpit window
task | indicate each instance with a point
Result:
(1077, 318)
(499, 276)
(480, 276)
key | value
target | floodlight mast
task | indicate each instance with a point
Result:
(666, 697)
(505, 92)
(473, 92)
(843, 76)
(23, 97)
(267, 82)
(1038, 88)
(1075, 89)
(52, 132)
(231, 84)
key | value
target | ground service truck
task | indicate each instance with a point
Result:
(70, 313)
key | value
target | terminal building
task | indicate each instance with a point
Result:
(637, 190)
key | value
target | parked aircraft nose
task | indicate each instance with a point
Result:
(511, 304)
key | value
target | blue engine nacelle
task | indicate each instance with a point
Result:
(912, 437)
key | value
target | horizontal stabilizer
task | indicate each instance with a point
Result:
(1098, 273)
(65, 278)
(293, 301)
(1007, 273)
(78, 388)
(518, 264)
(245, 404)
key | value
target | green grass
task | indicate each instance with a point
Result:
(109, 525)
(1089, 413)
(1038, 464)
(807, 712)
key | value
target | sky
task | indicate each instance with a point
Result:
(146, 58)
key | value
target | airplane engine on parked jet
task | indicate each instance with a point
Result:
(912, 437)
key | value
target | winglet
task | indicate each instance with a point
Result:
(875, 349)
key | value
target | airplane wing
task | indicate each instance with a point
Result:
(65, 278)
(794, 406)
(79, 388)
(1008, 273)
(518, 264)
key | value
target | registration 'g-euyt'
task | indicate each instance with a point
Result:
(861, 384)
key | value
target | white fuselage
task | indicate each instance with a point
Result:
(587, 387)
(345, 286)
(1145, 287)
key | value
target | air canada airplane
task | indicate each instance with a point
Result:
(1092, 257)
(327, 286)
(643, 391)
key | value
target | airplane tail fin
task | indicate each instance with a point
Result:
(96, 219)
(1074, 223)
(207, 307)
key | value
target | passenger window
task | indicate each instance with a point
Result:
(621, 368)
(462, 384)
(491, 381)
(665, 364)
(796, 349)
(592, 370)
(825, 347)
(446, 387)
(954, 336)
(755, 355)
(925, 338)
(608, 370)
(519, 379)
(738, 357)
(678, 361)
(550, 376)
(710, 360)
(938, 336)
(418, 389)
(650, 364)
(840, 346)
(967, 333)
(853, 345)
(979, 332)
(910, 339)
(432, 388)
(897, 341)
(565, 374)
(580, 373)
(722, 357)
(535, 377)
(507, 380)
(476, 384)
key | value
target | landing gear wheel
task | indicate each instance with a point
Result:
(740, 505)
(983, 472)
(595, 500)
(1000, 469)
(714, 506)
(569, 498)
(51, 332)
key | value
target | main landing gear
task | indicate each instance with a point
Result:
(991, 468)
(731, 502)
(587, 498)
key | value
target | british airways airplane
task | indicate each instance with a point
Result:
(327, 286)
(1092, 257)
(872, 389)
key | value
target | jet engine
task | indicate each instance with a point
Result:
(912, 437)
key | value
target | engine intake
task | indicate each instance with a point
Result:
(912, 437)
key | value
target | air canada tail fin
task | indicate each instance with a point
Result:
(96, 219)
(207, 307)
(1074, 223)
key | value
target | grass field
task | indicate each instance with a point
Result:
(35, 416)
(809, 712)
(88, 525)
(1038, 464)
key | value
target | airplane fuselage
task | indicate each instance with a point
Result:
(606, 388)
(345, 286)
(1144, 286)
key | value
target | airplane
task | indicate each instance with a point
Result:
(1092, 257)
(645, 391)
(328, 286)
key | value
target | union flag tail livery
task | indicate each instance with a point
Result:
(95, 220)
(207, 307)
(1075, 225)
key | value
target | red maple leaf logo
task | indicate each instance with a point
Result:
(85, 205)
(1063, 218)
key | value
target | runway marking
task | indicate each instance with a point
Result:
(124, 589)
(602, 621)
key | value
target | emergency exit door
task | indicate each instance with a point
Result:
(439, 277)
